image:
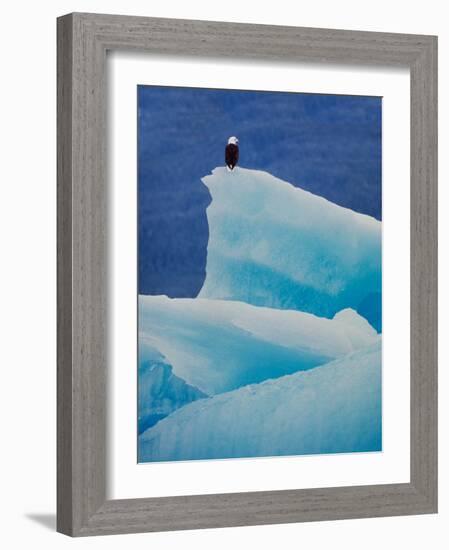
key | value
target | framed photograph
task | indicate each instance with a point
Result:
(247, 274)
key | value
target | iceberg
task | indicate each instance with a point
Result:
(280, 353)
(333, 408)
(275, 245)
(217, 346)
(160, 392)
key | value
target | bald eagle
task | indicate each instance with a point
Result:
(232, 152)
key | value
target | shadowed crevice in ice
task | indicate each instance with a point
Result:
(334, 408)
(276, 245)
(160, 392)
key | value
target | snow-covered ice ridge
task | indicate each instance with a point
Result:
(272, 244)
(220, 345)
(330, 409)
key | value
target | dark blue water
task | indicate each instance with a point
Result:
(327, 144)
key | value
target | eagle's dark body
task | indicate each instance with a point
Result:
(231, 155)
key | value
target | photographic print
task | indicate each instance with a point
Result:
(259, 274)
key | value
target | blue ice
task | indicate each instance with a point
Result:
(272, 244)
(333, 408)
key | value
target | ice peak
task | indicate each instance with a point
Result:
(277, 245)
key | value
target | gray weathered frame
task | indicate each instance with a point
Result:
(83, 40)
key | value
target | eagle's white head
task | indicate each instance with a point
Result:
(233, 140)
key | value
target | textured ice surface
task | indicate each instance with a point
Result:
(219, 345)
(160, 392)
(276, 245)
(272, 357)
(329, 409)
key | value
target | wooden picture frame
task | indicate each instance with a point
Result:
(83, 40)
